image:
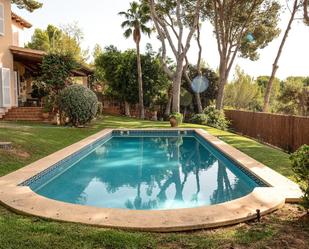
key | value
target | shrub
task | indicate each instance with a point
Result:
(178, 116)
(100, 109)
(211, 117)
(39, 90)
(300, 166)
(48, 104)
(56, 70)
(78, 103)
(199, 119)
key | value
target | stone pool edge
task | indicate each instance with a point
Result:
(23, 200)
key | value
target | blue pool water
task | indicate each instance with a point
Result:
(149, 173)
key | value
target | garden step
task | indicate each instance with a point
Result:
(27, 108)
(20, 113)
(24, 114)
(23, 119)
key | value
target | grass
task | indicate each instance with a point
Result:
(273, 232)
(41, 140)
(34, 141)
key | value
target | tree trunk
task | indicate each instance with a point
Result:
(198, 103)
(127, 109)
(275, 65)
(167, 112)
(223, 76)
(306, 16)
(140, 83)
(177, 85)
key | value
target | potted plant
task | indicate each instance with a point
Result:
(176, 119)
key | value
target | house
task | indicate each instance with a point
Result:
(18, 65)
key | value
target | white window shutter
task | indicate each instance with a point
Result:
(1, 19)
(5, 98)
(16, 87)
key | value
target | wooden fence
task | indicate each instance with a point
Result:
(283, 131)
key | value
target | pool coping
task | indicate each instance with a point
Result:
(23, 200)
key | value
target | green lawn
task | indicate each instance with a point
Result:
(41, 140)
(34, 141)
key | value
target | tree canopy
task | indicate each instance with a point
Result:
(136, 20)
(29, 5)
(294, 96)
(56, 71)
(208, 96)
(175, 23)
(120, 73)
(64, 40)
(241, 28)
(243, 92)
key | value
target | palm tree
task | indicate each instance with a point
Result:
(137, 16)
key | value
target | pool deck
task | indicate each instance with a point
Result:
(23, 200)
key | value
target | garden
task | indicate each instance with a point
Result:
(286, 228)
(159, 89)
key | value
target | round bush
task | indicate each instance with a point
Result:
(79, 104)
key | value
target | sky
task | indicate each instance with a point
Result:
(100, 23)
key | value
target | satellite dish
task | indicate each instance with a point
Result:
(200, 84)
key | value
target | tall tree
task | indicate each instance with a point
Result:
(306, 15)
(207, 97)
(294, 97)
(46, 40)
(262, 81)
(275, 65)
(137, 17)
(198, 67)
(65, 40)
(171, 19)
(241, 27)
(120, 73)
(97, 51)
(56, 71)
(29, 5)
(243, 92)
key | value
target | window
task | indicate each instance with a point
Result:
(1, 19)
(5, 87)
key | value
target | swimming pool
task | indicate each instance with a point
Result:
(147, 170)
(148, 180)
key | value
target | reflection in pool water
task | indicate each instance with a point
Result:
(147, 173)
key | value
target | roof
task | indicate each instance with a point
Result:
(21, 21)
(34, 57)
